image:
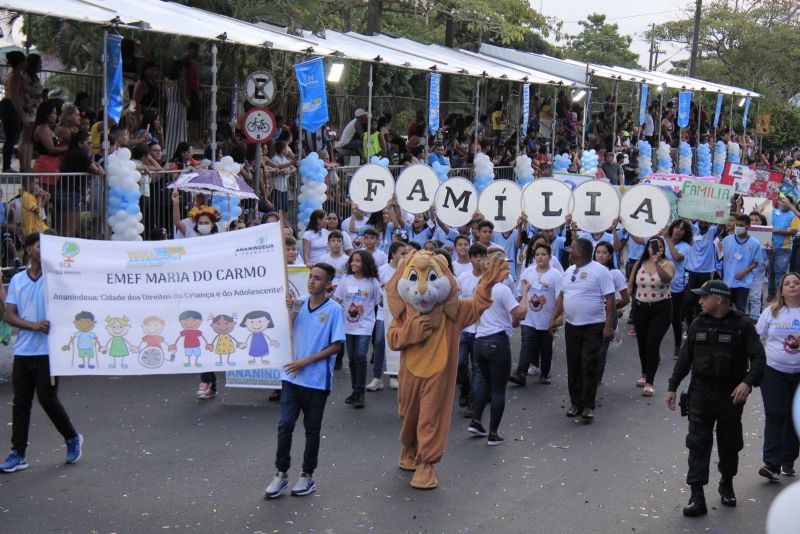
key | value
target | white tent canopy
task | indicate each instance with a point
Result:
(165, 17)
(579, 70)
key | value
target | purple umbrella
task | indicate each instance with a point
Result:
(212, 181)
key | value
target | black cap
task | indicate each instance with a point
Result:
(714, 287)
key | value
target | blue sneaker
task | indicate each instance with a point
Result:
(305, 486)
(278, 485)
(14, 462)
(74, 449)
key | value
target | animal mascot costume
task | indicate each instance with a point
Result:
(428, 317)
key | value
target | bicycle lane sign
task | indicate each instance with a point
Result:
(258, 125)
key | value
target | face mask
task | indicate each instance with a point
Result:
(740, 230)
(203, 229)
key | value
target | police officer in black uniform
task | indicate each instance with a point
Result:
(727, 361)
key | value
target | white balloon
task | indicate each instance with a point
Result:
(139, 216)
(784, 514)
(123, 154)
(139, 228)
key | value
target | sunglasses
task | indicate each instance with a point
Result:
(577, 270)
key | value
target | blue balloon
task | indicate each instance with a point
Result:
(133, 209)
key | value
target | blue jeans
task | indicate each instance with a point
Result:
(536, 348)
(464, 360)
(780, 439)
(777, 268)
(296, 399)
(357, 349)
(379, 351)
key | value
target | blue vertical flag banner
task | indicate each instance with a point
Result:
(114, 76)
(313, 98)
(433, 103)
(643, 104)
(718, 111)
(746, 111)
(684, 104)
(526, 107)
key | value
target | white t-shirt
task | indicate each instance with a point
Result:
(380, 257)
(385, 273)
(340, 264)
(467, 282)
(359, 298)
(358, 224)
(541, 297)
(460, 268)
(584, 298)
(497, 318)
(782, 335)
(619, 281)
(317, 243)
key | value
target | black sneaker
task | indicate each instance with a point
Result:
(545, 379)
(463, 399)
(769, 474)
(475, 427)
(587, 415)
(469, 412)
(358, 401)
(494, 439)
(351, 398)
(276, 396)
(787, 470)
(573, 411)
(518, 378)
(727, 496)
(696, 506)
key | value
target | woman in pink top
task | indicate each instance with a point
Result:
(649, 284)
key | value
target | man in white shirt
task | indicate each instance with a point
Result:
(649, 127)
(587, 302)
(351, 135)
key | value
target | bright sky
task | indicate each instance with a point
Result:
(633, 19)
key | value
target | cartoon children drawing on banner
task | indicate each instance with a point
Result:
(118, 346)
(85, 340)
(256, 323)
(151, 355)
(224, 343)
(190, 322)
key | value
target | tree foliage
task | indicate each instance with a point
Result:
(599, 42)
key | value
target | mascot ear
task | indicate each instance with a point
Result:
(451, 304)
(397, 305)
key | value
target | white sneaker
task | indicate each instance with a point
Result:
(278, 485)
(533, 370)
(375, 385)
(393, 383)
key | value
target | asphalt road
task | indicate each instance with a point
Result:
(157, 459)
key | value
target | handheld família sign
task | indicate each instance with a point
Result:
(594, 204)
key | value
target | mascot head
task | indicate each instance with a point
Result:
(424, 282)
(424, 285)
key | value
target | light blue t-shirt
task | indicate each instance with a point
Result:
(557, 247)
(509, 245)
(635, 250)
(679, 280)
(426, 234)
(313, 331)
(702, 255)
(737, 255)
(607, 237)
(28, 295)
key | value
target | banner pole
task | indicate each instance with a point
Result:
(105, 121)
(614, 131)
(369, 113)
(660, 113)
(477, 114)
(213, 125)
(553, 127)
(730, 123)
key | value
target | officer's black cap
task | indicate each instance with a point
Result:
(714, 287)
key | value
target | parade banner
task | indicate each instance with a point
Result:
(751, 181)
(313, 98)
(643, 104)
(674, 181)
(746, 112)
(718, 110)
(526, 107)
(433, 103)
(763, 234)
(114, 76)
(761, 205)
(705, 201)
(266, 378)
(210, 303)
(684, 105)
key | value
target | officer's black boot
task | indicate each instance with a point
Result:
(726, 493)
(697, 502)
